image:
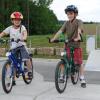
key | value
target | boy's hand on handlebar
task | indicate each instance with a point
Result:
(52, 40)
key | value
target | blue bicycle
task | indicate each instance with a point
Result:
(15, 66)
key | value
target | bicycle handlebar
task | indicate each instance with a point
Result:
(11, 40)
(63, 40)
(18, 40)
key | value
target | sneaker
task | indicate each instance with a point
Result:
(25, 70)
(14, 83)
(30, 75)
(83, 83)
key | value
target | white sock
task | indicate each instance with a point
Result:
(82, 77)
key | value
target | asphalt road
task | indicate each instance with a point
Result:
(43, 87)
(47, 69)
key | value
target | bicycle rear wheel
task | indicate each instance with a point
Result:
(60, 69)
(7, 77)
(25, 76)
(75, 74)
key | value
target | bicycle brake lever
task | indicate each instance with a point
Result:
(18, 40)
(12, 40)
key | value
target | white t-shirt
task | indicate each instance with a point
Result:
(15, 34)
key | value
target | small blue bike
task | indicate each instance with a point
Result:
(14, 67)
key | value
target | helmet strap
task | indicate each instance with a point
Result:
(20, 28)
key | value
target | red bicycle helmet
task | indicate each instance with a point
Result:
(16, 15)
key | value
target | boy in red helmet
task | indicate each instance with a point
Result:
(72, 30)
(18, 31)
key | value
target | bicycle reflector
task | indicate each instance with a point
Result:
(8, 54)
(63, 53)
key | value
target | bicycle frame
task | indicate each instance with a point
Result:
(69, 63)
(16, 67)
(17, 63)
(66, 68)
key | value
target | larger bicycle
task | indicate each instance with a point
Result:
(66, 68)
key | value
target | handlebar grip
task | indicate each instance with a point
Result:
(25, 40)
(12, 40)
(49, 39)
(18, 40)
(56, 41)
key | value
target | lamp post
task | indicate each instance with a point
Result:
(28, 15)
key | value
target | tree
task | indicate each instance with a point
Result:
(44, 21)
(44, 2)
(38, 18)
(9, 6)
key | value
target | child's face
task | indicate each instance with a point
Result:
(71, 15)
(16, 22)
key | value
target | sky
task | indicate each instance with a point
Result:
(89, 10)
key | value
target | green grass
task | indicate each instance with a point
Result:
(90, 28)
(42, 41)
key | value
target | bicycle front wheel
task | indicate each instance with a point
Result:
(60, 77)
(7, 77)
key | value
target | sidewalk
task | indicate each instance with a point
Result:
(92, 92)
(41, 90)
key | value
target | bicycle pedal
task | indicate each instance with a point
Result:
(83, 85)
(61, 80)
(17, 75)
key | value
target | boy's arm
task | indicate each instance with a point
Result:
(80, 30)
(62, 30)
(78, 36)
(5, 32)
(24, 35)
(80, 27)
(2, 34)
(56, 35)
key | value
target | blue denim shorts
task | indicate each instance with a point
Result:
(21, 52)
